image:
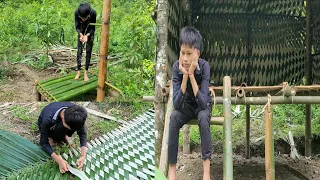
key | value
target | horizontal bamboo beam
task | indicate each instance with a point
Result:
(261, 100)
(274, 100)
(268, 88)
(213, 121)
(149, 98)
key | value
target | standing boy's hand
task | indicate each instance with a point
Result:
(85, 39)
(80, 162)
(195, 59)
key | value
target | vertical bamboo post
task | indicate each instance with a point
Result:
(186, 139)
(308, 135)
(227, 148)
(161, 74)
(269, 145)
(102, 75)
(247, 131)
(249, 78)
(163, 162)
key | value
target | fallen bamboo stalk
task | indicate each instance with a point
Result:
(105, 116)
(115, 88)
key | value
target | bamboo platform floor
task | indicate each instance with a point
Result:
(64, 88)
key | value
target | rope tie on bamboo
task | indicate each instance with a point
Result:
(268, 104)
(212, 93)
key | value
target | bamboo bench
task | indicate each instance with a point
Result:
(186, 131)
(64, 87)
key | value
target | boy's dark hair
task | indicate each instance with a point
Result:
(75, 116)
(84, 10)
(190, 36)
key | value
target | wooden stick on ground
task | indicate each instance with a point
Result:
(105, 116)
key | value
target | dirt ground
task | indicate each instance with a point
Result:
(189, 167)
(20, 86)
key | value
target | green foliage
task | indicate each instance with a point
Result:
(30, 25)
(21, 112)
(17, 153)
(5, 71)
(137, 38)
(133, 82)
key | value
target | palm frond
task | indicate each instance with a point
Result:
(17, 153)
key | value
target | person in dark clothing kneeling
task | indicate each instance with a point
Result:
(83, 16)
(57, 122)
(191, 98)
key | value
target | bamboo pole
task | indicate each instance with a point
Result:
(308, 135)
(161, 74)
(261, 100)
(269, 146)
(275, 100)
(102, 76)
(247, 131)
(213, 121)
(163, 160)
(227, 148)
(268, 88)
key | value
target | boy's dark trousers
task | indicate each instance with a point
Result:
(89, 45)
(178, 119)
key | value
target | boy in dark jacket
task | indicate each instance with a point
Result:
(191, 99)
(83, 16)
(57, 122)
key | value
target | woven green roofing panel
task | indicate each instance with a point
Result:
(260, 42)
(124, 153)
(315, 8)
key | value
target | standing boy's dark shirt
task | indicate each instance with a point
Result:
(50, 125)
(202, 75)
(81, 26)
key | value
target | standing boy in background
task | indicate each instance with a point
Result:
(83, 16)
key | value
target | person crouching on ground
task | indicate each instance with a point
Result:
(57, 122)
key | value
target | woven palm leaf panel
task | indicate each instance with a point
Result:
(260, 42)
(315, 9)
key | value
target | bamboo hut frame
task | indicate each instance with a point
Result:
(288, 95)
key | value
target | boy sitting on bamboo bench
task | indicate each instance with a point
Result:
(191, 98)
(57, 122)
